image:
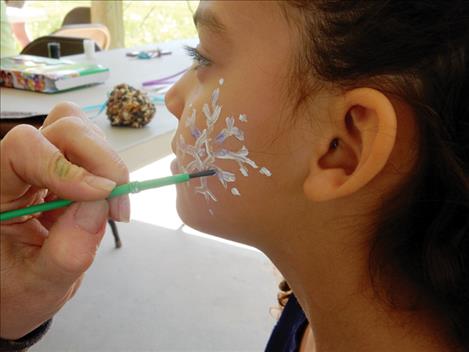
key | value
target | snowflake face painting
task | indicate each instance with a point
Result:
(207, 147)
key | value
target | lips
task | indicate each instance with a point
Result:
(174, 166)
(174, 163)
(173, 145)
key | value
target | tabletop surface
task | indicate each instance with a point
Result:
(132, 144)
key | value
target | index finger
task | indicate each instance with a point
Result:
(66, 109)
(29, 159)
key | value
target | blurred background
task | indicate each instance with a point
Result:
(131, 23)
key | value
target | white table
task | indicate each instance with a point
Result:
(138, 147)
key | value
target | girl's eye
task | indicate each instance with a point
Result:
(199, 59)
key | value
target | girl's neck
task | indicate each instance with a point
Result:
(330, 280)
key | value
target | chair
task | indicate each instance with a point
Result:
(115, 233)
(68, 46)
(77, 15)
(77, 23)
(98, 32)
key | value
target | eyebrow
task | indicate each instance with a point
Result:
(207, 18)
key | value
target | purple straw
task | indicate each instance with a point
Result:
(164, 80)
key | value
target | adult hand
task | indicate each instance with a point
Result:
(44, 256)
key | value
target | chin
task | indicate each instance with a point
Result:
(201, 220)
(193, 211)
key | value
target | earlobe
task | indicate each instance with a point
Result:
(366, 135)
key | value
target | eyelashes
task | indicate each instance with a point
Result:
(199, 59)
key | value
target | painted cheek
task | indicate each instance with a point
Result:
(205, 146)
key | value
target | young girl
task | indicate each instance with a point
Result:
(339, 131)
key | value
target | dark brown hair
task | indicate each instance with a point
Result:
(417, 51)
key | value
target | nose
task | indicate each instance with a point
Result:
(176, 96)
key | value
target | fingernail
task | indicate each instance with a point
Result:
(120, 208)
(90, 216)
(100, 183)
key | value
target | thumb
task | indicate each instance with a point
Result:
(73, 240)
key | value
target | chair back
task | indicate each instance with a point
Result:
(98, 32)
(77, 15)
(68, 46)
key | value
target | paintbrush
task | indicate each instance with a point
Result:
(132, 187)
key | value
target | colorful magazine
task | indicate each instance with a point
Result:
(47, 75)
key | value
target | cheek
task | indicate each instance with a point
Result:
(209, 138)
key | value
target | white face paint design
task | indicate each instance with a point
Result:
(208, 147)
(265, 171)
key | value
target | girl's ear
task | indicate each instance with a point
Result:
(357, 147)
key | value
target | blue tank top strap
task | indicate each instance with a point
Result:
(289, 330)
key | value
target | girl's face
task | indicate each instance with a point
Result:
(235, 117)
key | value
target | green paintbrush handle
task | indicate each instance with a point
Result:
(132, 187)
(135, 187)
(56, 204)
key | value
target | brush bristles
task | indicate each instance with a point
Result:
(203, 173)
